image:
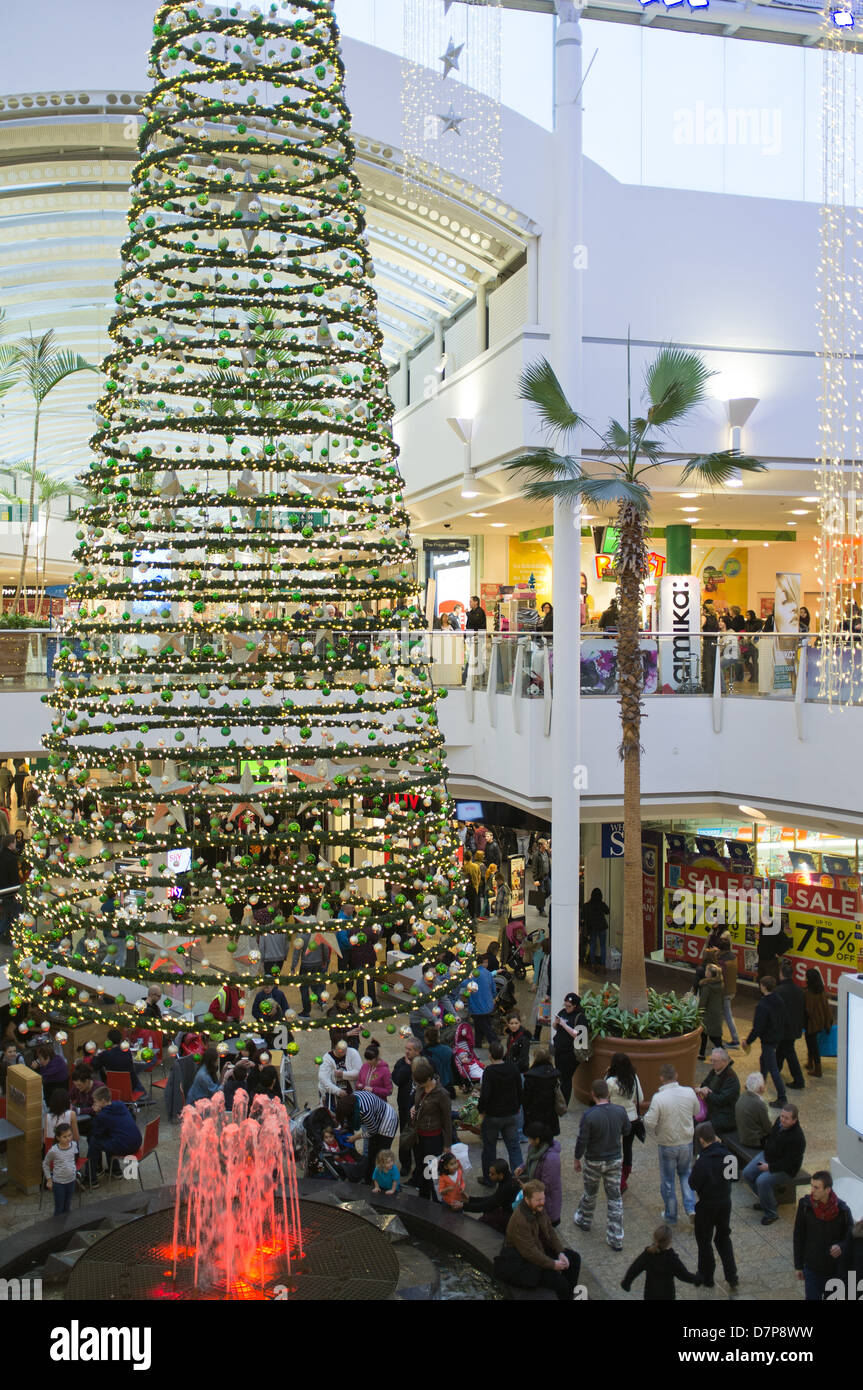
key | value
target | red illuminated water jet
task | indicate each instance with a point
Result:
(237, 1215)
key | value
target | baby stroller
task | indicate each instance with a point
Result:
(504, 1003)
(468, 1067)
(319, 1163)
(517, 958)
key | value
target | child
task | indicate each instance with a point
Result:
(59, 1167)
(386, 1176)
(661, 1266)
(451, 1182)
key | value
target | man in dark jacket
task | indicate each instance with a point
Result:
(499, 1104)
(492, 851)
(711, 1179)
(117, 1058)
(600, 1141)
(794, 999)
(719, 1090)
(769, 1026)
(778, 1163)
(476, 618)
(823, 1222)
(113, 1132)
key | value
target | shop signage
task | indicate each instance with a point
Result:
(516, 886)
(605, 570)
(680, 615)
(612, 840)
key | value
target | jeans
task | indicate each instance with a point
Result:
(675, 1160)
(786, 1051)
(305, 990)
(483, 1027)
(609, 1171)
(713, 1227)
(597, 946)
(94, 1157)
(770, 1067)
(63, 1192)
(729, 1018)
(764, 1184)
(503, 1127)
(812, 1050)
(814, 1284)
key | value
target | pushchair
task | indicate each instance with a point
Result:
(468, 1067)
(504, 1003)
(518, 958)
(319, 1163)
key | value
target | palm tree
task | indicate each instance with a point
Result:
(674, 385)
(38, 365)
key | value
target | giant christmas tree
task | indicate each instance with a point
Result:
(241, 681)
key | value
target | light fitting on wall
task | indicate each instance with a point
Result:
(739, 411)
(471, 486)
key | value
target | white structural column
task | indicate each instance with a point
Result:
(564, 295)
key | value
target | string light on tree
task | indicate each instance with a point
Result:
(244, 738)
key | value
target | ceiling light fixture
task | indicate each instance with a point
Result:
(687, 494)
(462, 428)
(795, 512)
(498, 523)
(477, 513)
(808, 499)
(752, 812)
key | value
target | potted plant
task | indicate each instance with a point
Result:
(667, 1029)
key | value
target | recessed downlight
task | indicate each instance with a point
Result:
(752, 812)
(477, 513)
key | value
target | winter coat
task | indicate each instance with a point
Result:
(724, 1087)
(544, 1165)
(538, 1096)
(752, 1119)
(770, 1021)
(728, 964)
(813, 1238)
(819, 1014)
(329, 1087)
(794, 999)
(784, 1149)
(710, 1001)
(660, 1268)
(709, 1178)
(375, 1076)
(518, 1049)
(533, 1236)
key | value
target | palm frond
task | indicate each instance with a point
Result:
(616, 488)
(674, 382)
(10, 367)
(540, 386)
(652, 449)
(56, 367)
(544, 465)
(568, 491)
(716, 469)
(617, 437)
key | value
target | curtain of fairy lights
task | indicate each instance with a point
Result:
(840, 289)
(451, 91)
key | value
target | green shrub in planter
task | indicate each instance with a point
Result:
(667, 1015)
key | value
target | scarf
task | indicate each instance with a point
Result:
(535, 1157)
(829, 1210)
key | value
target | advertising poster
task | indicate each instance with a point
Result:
(680, 615)
(651, 852)
(824, 923)
(724, 575)
(531, 559)
(516, 886)
(599, 666)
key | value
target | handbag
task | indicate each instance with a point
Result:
(637, 1125)
(536, 898)
(560, 1106)
(701, 1116)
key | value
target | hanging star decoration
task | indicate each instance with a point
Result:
(450, 58)
(450, 121)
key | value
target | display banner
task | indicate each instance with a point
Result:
(680, 614)
(823, 922)
(516, 886)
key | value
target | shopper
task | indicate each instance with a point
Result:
(206, 1081)
(533, 1255)
(476, 618)
(729, 656)
(794, 999)
(374, 1072)
(113, 1133)
(52, 1067)
(600, 1137)
(403, 1081)
(709, 625)
(10, 880)
(547, 624)
(496, 1208)
(719, 1091)
(727, 962)
(570, 1041)
(822, 1225)
(431, 1119)
(661, 1266)
(610, 618)
(671, 1117)
(819, 1017)
(517, 1043)
(541, 870)
(369, 1118)
(450, 1182)
(710, 992)
(501, 911)
(596, 914)
(751, 1115)
(710, 1179)
(542, 1163)
(474, 878)
(338, 1073)
(441, 1058)
(480, 1002)
(624, 1088)
(540, 1089)
(499, 1104)
(769, 1026)
(778, 1162)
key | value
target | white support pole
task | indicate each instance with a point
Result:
(566, 326)
(533, 280)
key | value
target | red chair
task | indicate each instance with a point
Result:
(150, 1145)
(148, 1037)
(119, 1083)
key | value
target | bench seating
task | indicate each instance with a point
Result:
(786, 1193)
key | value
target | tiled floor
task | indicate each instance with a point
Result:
(763, 1254)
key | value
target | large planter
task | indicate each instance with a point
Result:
(647, 1056)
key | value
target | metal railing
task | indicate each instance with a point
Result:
(514, 664)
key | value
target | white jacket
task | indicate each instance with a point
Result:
(328, 1085)
(672, 1112)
